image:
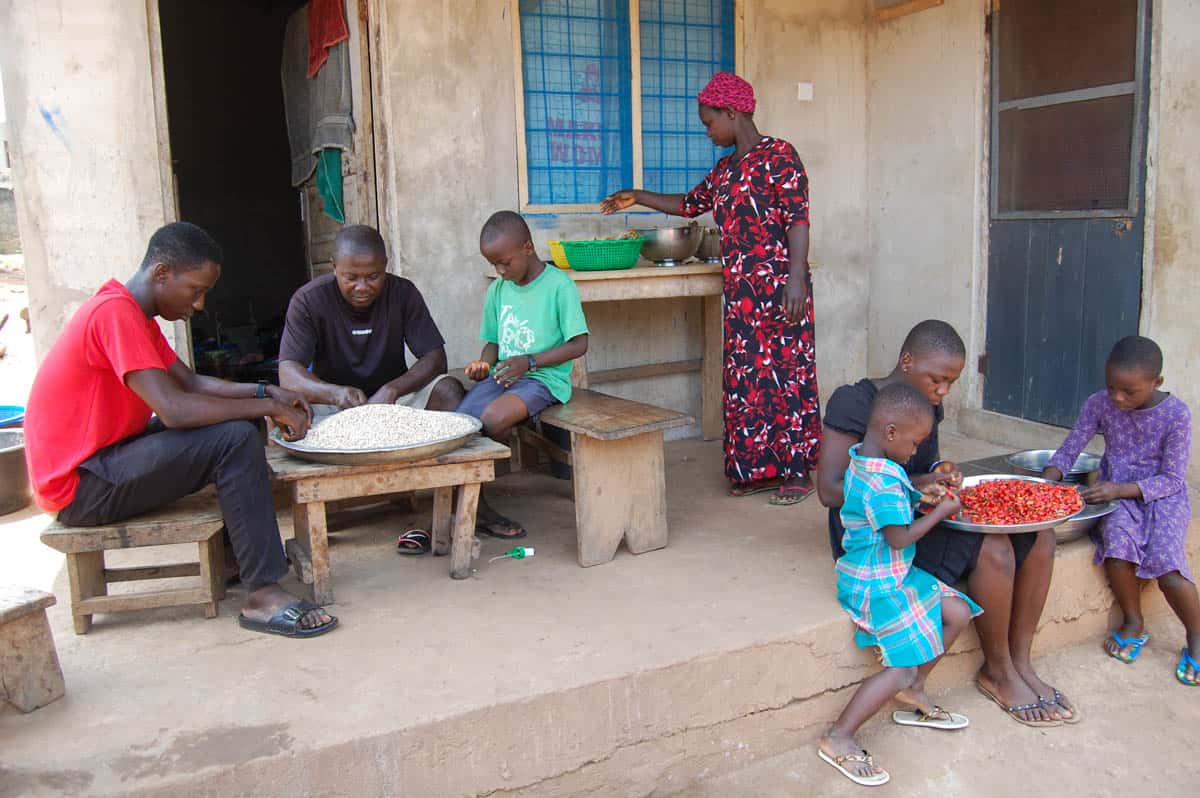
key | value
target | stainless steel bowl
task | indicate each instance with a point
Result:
(710, 246)
(1008, 529)
(1086, 470)
(1083, 521)
(414, 452)
(671, 245)
(14, 478)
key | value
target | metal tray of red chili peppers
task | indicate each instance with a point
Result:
(1006, 504)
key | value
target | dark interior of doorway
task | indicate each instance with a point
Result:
(229, 146)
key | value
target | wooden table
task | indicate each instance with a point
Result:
(455, 479)
(663, 282)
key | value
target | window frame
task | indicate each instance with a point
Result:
(635, 94)
(1139, 87)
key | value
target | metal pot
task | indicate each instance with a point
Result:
(669, 246)
(710, 247)
(14, 478)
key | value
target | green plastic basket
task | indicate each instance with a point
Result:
(603, 255)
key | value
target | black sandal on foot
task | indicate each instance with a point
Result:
(286, 621)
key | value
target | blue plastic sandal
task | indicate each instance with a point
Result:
(1134, 652)
(1181, 670)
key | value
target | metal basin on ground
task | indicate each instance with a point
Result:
(14, 477)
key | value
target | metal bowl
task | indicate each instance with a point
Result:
(1009, 529)
(710, 246)
(1083, 521)
(421, 451)
(671, 245)
(1086, 470)
(14, 477)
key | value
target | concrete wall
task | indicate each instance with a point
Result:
(81, 119)
(823, 42)
(1171, 288)
(925, 149)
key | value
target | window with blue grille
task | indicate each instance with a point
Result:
(575, 67)
(684, 42)
(577, 81)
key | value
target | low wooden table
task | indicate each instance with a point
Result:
(456, 475)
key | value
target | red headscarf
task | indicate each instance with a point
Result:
(727, 90)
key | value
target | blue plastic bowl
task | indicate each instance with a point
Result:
(11, 415)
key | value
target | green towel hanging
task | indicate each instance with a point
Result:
(329, 183)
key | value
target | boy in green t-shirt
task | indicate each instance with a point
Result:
(533, 327)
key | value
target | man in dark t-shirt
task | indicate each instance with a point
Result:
(346, 333)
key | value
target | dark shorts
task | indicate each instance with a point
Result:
(534, 394)
(950, 554)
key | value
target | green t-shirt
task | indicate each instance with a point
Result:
(528, 319)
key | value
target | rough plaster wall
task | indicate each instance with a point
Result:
(446, 139)
(925, 150)
(822, 42)
(80, 106)
(1172, 291)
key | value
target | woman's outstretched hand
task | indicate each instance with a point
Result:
(618, 202)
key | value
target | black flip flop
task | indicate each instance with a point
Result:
(286, 621)
(414, 542)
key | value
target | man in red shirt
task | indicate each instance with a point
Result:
(95, 457)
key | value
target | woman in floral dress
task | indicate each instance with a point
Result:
(759, 199)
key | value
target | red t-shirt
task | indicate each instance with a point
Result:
(79, 402)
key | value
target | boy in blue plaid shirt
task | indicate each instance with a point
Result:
(905, 613)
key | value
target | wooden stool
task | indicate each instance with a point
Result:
(193, 519)
(619, 470)
(30, 676)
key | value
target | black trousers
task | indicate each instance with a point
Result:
(155, 468)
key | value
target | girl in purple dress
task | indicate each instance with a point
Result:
(1147, 441)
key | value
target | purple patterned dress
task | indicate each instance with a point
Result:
(1150, 447)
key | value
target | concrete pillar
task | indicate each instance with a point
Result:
(83, 102)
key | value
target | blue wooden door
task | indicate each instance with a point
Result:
(1067, 218)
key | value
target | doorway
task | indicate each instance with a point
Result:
(233, 170)
(1069, 114)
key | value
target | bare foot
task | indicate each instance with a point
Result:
(263, 603)
(839, 745)
(917, 698)
(1013, 691)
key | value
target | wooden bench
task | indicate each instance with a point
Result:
(30, 676)
(456, 475)
(193, 519)
(619, 469)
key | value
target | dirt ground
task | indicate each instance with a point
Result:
(1137, 736)
(18, 365)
